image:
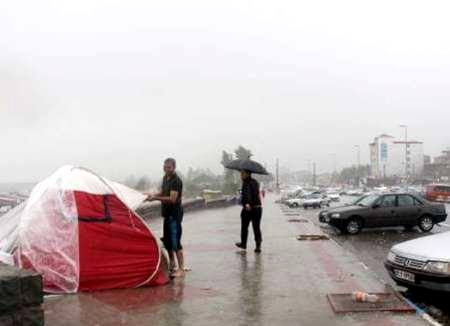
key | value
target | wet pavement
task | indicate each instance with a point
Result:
(371, 246)
(285, 285)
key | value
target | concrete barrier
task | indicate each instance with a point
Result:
(21, 297)
(151, 209)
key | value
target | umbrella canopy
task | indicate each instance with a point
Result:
(247, 165)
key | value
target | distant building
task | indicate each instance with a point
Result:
(439, 169)
(393, 158)
(444, 158)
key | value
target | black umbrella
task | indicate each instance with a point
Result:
(247, 165)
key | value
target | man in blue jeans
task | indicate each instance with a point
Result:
(170, 197)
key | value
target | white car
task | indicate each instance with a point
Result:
(316, 201)
(422, 263)
(357, 192)
(334, 197)
(294, 202)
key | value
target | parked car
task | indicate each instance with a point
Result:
(316, 200)
(335, 197)
(422, 263)
(386, 210)
(438, 192)
(295, 202)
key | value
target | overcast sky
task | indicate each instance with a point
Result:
(117, 86)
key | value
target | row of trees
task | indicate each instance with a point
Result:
(351, 175)
(348, 175)
(197, 180)
(232, 181)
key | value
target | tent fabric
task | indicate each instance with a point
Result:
(80, 231)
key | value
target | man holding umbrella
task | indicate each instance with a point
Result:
(251, 200)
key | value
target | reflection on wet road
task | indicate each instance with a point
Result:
(372, 247)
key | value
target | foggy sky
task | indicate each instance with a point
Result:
(117, 86)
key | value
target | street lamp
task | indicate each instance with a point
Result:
(406, 149)
(358, 158)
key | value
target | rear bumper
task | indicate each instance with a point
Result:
(424, 280)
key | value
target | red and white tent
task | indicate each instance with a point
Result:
(80, 231)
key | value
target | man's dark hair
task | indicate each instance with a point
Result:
(171, 161)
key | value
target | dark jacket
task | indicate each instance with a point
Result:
(250, 193)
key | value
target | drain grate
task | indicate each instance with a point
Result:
(344, 303)
(298, 220)
(312, 237)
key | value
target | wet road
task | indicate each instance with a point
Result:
(286, 285)
(372, 246)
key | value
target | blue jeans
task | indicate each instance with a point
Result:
(172, 232)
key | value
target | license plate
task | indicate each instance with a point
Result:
(406, 276)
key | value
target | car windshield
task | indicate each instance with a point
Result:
(367, 201)
(358, 200)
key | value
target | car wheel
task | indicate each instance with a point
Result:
(294, 205)
(353, 226)
(305, 207)
(426, 223)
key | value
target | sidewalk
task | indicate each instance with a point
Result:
(286, 285)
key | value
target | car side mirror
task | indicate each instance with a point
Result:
(376, 206)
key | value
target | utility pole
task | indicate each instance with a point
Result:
(406, 150)
(314, 174)
(358, 160)
(333, 176)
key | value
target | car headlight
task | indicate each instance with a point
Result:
(391, 257)
(438, 267)
(335, 215)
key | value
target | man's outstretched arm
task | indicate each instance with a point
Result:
(172, 199)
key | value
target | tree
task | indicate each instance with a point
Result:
(230, 185)
(143, 184)
(198, 180)
(242, 153)
(131, 181)
(351, 174)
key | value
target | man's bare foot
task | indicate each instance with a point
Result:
(177, 274)
(172, 267)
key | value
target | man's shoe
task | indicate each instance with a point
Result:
(240, 245)
(258, 250)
